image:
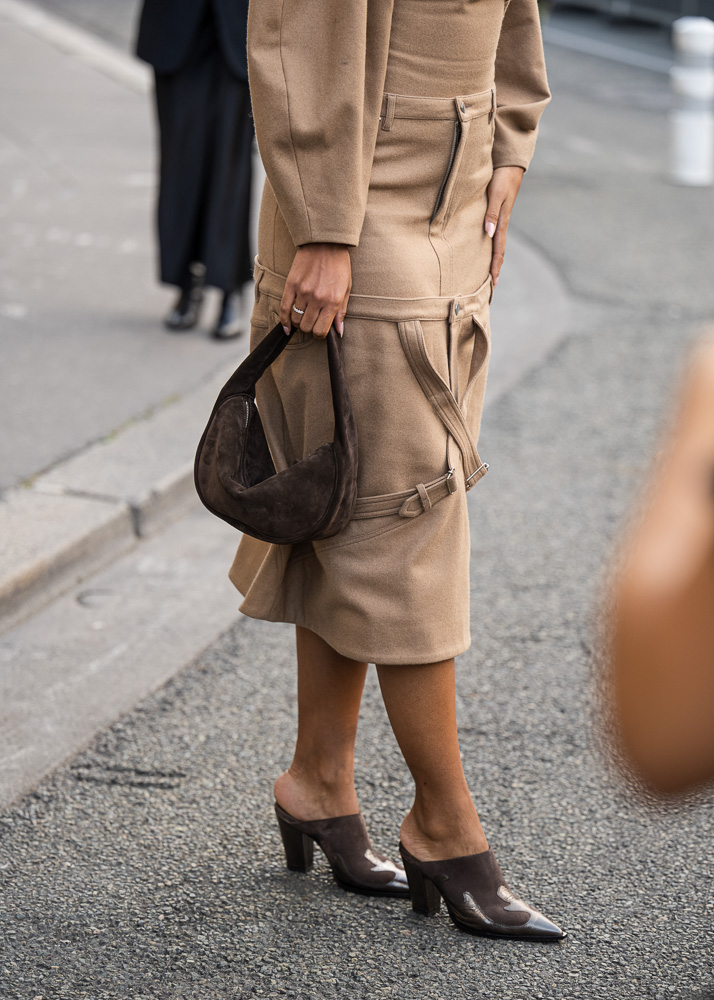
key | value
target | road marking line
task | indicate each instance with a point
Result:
(605, 50)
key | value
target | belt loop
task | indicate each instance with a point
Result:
(424, 496)
(388, 118)
(258, 280)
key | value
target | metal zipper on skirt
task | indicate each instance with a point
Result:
(445, 181)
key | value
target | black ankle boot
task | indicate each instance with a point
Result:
(230, 319)
(184, 315)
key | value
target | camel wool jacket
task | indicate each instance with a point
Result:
(380, 123)
(317, 75)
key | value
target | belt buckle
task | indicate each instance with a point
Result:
(450, 481)
(484, 466)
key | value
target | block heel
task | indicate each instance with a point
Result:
(299, 848)
(424, 895)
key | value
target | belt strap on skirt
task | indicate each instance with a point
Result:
(442, 399)
(408, 503)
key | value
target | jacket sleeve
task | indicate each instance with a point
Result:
(316, 86)
(521, 85)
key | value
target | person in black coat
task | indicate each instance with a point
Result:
(198, 51)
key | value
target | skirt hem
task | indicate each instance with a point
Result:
(351, 654)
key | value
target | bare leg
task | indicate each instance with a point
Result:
(421, 704)
(319, 784)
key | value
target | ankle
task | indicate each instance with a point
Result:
(439, 831)
(331, 774)
(309, 795)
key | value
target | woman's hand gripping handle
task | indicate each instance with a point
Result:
(317, 289)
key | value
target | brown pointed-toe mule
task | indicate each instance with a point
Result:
(345, 842)
(477, 897)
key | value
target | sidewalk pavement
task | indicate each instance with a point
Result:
(102, 409)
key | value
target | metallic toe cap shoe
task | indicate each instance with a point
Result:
(477, 897)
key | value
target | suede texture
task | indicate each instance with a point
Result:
(234, 471)
(478, 897)
(389, 147)
(478, 876)
(345, 842)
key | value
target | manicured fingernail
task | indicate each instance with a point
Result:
(490, 229)
(286, 330)
(340, 327)
(495, 281)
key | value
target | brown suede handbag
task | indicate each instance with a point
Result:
(234, 472)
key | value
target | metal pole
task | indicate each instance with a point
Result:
(692, 121)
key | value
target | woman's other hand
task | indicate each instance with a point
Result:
(319, 285)
(502, 193)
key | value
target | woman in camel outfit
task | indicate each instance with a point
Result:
(394, 134)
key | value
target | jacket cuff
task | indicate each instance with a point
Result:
(307, 229)
(348, 239)
(510, 161)
(514, 148)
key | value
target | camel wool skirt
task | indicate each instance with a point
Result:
(393, 587)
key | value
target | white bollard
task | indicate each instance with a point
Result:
(692, 121)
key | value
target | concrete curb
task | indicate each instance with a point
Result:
(82, 45)
(54, 542)
(90, 655)
(85, 512)
(530, 314)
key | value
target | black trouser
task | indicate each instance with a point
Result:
(206, 139)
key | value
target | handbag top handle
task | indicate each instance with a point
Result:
(244, 378)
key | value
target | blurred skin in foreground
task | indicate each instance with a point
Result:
(663, 648)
